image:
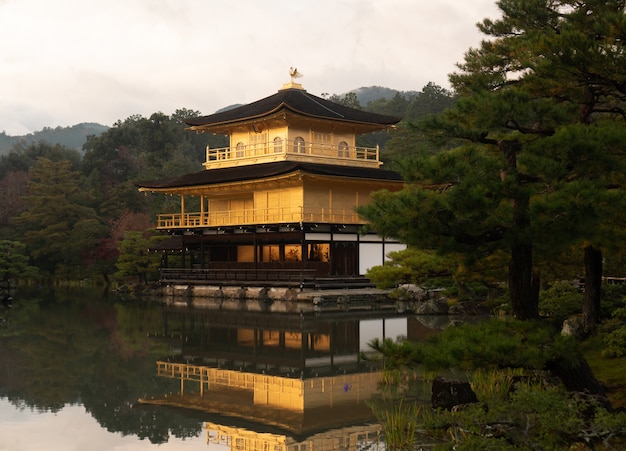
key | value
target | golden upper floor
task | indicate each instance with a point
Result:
(292, 125)
(280, 148)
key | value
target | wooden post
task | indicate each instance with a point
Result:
(202, 218)
(183, 221)
(202, 382)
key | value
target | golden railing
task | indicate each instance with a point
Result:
(285, 392)
(256, 216)
(206, 376)
(290, 147)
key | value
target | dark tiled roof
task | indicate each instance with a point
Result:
(299, 101)
(259, 171)
(173, 243)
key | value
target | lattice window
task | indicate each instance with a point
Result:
(343, 149)
(240, 150)
(299, 145)
(278, 144)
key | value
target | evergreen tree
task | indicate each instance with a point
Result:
(22, 156)
(14, 263)
(540, 120)
(135, 258)
(566, 61)
(58, 224)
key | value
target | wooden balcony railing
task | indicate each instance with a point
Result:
(276, 215)
(283, 149)
(300, 277)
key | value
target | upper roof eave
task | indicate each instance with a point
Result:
(231, 122)
(299, 102)
(277, 110)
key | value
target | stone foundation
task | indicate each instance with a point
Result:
(274, 298)
(225, 292)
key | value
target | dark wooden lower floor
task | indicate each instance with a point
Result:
(233, 275)
(304, 255)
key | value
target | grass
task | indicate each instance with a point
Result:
(489, 384)
(610, 371)
(400, 424)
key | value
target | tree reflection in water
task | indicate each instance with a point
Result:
(74, 347)
(79, 348)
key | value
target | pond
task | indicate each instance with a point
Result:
(81, 369)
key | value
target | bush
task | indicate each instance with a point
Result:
(612, 298)
(527, 415)
(420, 267)
(521, 404)
(614, 335)
(560, 301)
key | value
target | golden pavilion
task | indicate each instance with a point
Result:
(277, 206)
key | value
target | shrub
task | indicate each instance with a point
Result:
(560, 301)
(529, 416)
(614, 335)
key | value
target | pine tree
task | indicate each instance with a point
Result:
(58, 224)
(530, 158)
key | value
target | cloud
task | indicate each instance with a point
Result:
(73, 429)
(71, 61)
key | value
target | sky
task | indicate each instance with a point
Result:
(64, 62)
(73, 429)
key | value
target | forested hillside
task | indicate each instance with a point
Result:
(73, 137)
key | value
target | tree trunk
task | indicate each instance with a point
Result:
(523, 282)
(593, 285)
(579, 377)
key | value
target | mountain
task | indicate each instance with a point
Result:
(229, 107)
(371, 93)
(73, 137)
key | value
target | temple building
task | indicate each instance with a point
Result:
(277, 206)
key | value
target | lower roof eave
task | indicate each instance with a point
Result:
(266, 228)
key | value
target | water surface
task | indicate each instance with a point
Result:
(74, 363)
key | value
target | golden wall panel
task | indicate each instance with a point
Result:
(317, 194)
(307, 199)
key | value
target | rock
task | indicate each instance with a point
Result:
(290, 295)
(242, 293)
(434, 321)
(574, 326)
(431, 307)
(264, 295)
(447, 393)
(462, 309)
(410, 292)
(7, 300)
(401, 306)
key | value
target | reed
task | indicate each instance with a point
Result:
(400, 424)
(494, 384)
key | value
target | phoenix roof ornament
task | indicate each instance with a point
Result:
(293, 73)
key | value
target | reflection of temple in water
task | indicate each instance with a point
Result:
(296, 344)
(299, 375)
(350, 438)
